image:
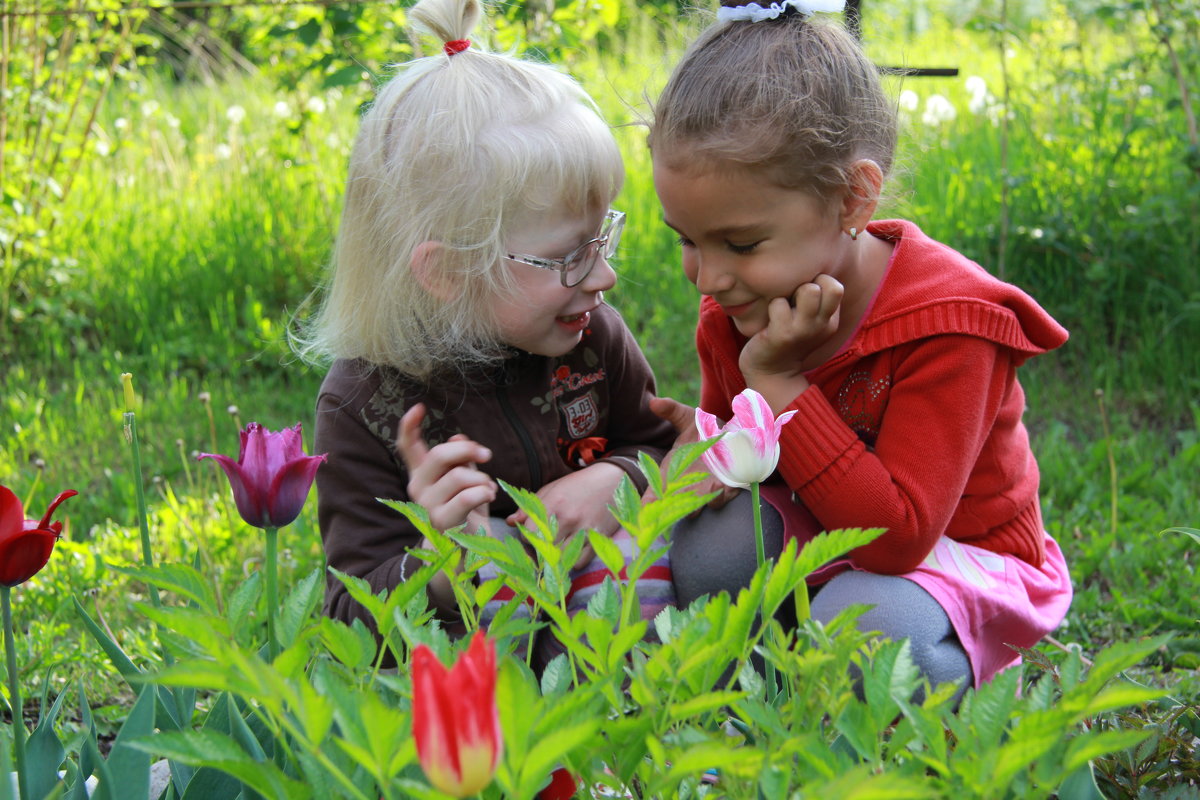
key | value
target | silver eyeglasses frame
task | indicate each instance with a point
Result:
(580, 262)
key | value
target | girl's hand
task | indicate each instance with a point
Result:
(444, 479)
(683, 417)
(580, 501)
(796, 328)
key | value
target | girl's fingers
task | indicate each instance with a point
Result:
(681, 417)
(410, 445)
(456, 510)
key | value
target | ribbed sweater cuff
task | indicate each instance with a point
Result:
(816, 446)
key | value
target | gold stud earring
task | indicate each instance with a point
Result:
(853, 234)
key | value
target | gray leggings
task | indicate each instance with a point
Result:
(714, 552)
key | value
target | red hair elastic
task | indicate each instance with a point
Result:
(456, 46)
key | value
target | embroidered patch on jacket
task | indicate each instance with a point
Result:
(582, 416)
(566, 380)
(860, 402)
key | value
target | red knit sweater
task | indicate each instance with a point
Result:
(915, 425)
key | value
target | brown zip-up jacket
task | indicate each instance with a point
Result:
(538, 415)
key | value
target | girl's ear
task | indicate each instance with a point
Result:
(862, 194)
(426, 268)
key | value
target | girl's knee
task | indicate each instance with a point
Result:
(715, 551)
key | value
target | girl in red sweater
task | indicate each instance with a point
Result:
(771, 143)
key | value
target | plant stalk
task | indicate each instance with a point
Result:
(272, 589)
(14, 692)
(760, 551)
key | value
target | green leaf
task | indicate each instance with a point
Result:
(607, 551)
(1080, 785)
(299, 606)
(1086, 747)
(181, 579)
(129, 766)
(556, 677)
(889, 675)
(242, 602)
(345, 76)
(6, 786)
(44, 752)
(605, 604)
(1192, 532)
(206, 748)
(352, 645)
(308, 32)
(702, 704)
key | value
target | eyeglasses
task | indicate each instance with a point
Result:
(575, 266)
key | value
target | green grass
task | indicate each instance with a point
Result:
(183, 251)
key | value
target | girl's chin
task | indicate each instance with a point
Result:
(747, 327)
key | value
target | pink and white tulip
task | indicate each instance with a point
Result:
(748, 452)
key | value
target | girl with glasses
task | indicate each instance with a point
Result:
(466, 321)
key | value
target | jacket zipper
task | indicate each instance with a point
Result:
(535, 467)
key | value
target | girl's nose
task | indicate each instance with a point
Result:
(709, 276)
(602, 277)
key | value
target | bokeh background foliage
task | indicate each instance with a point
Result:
(171, 181)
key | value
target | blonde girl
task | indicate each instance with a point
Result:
(466, 321)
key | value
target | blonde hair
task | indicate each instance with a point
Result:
(794, 98)
(461, 150)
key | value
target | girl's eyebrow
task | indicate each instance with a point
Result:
(722, 232)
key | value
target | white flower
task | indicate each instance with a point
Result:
(224, 152)
(120, 123)
(102, 148)
(748, 452)
(235, 115)
(976, 86)
(172, 121)
(149, 108)
(282, 109)
(315, 105)
(909, 100)
(938, 110)
(980, 97)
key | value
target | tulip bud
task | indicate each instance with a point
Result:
(748, 450)
(272, 476)
(25, 544)
(455, 720)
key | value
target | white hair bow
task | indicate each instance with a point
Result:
(753, 12)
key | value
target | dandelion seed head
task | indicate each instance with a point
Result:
(938, 110)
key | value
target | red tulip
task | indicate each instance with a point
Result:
(455, 721)
(25, 544)
(271, 477)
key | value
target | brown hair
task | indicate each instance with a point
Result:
(794, 97)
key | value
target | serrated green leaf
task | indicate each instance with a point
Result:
(605, 604)
(298, 607)
(242, 601)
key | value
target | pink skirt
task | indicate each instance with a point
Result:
(993, 600)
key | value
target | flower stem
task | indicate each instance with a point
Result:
(759, 549)
(14, 692)
(272, 589)
(143, 525)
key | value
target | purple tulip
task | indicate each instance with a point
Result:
(749, 450)
(271, 477)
